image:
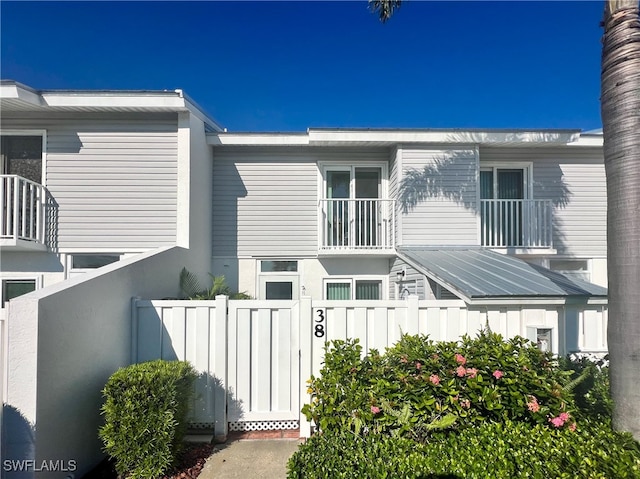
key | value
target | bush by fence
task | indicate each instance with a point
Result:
(145, 410)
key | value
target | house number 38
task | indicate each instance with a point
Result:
(319, 326)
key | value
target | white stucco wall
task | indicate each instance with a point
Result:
(64, 343)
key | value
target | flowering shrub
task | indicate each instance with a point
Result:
(419, 386)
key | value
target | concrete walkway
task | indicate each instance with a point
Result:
(250, 459)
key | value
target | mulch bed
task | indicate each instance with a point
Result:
(190, 463)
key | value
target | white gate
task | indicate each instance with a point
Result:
(246, 353)
(263, 365)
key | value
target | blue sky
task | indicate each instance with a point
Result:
(288, 66)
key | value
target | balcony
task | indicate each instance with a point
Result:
(357, 226)
(22, 214)
(517, 224)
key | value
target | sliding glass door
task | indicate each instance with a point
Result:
(352, 209)
(502, 192)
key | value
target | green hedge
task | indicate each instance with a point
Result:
(145, 410)
(497, 450)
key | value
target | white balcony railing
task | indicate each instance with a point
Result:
(516, 223)
(352, 224)
(22, 209)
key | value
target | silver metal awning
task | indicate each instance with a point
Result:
(476, 273)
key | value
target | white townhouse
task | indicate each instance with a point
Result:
(341, 214)
(336, 233)
(90, 177)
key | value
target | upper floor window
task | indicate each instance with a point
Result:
(349, 182)
(503, 183)
(21, 155)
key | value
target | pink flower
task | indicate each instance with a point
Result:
(461, 371)
(533, 404)
(465, 403)
(472, 372)
(375, 409)
(418, 365)
(564, 416)
(498, 374)
(572, 426)
(435, 379)
(557, 421)
(460, 359)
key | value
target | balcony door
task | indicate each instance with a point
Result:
(503, 190)
(21, 174)
(22, 156)
(352, 212)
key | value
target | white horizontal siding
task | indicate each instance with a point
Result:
(574, 179)
(266, 201)
(114, 179)
(448, 215)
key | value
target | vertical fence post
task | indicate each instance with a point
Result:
(221, 361)
(413, 314)
(306, 354)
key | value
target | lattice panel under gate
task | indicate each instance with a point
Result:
(263, 425)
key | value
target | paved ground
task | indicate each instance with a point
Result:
(250, 459)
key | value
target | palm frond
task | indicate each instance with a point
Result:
(384, 8)
(189, 285)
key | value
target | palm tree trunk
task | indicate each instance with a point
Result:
(620, 109)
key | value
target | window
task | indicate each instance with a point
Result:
(12, 288)
(279, 290)
(92, 261)
(21, 155)
(542, 337)
(503, 211)
(347, 288)
(354, 210)
(278, 266)
(278, 279)
(571, 268)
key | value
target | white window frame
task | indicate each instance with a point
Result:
(35, 132)
(38, 278)
(527, 176)
(292, 277)
(384, 285)
(570, 273)
(325, 166)
(71, 271)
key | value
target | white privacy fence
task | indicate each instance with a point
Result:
(255, 356)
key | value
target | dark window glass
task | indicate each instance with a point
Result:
(278, 266)
(368, 289)
(22, 156)
(12, 288)
(92, 261)
(279, 290)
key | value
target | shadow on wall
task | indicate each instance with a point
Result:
(171, 339)
(18, 444)
(229, 188)
(450, 177)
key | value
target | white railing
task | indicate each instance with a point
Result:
(22, 207)
(352, 224)
(516, 223)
